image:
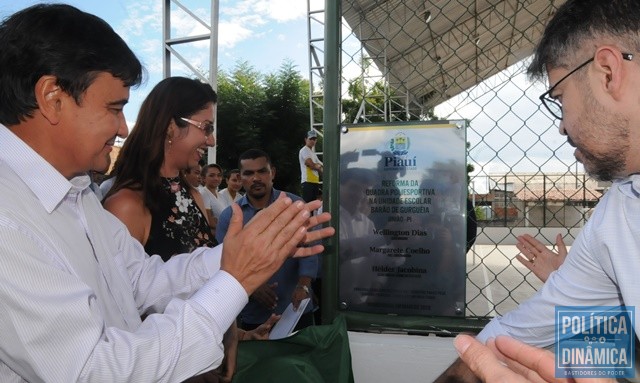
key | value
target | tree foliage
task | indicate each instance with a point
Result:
(268, 112)
(271, 112)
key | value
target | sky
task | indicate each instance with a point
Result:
(265, 33)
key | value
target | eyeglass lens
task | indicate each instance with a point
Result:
(207, 127)
(553, 107)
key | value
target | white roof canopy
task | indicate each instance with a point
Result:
(434, 50)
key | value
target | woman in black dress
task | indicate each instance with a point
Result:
(150, 194)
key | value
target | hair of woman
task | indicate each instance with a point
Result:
(142, 155)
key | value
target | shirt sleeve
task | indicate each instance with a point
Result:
(308, 266)
(223, 224)
(580, 281)
(305, 153)
(206, 199)
(217, 206)
(53, 329)
(185, 340)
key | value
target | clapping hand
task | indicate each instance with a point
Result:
(537, 258)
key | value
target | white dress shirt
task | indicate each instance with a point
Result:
(225, 198)
(601, 269)
(211, 201)
(73, 284)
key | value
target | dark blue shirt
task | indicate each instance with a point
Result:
(286, 277)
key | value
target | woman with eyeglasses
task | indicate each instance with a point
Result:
(151, 195)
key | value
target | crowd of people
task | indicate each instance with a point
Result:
(171, 202)
(173, 205)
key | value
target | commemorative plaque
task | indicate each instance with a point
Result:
(402, 216)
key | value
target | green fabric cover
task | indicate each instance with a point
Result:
(314, 354)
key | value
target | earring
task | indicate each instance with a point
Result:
(170, 142)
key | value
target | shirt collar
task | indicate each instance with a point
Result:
(48, 184)
(629, 186)
(244, 201)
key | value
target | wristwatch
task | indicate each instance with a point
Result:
(303, 287)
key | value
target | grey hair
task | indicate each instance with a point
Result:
(578, 23)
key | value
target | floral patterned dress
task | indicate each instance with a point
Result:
(177, 225)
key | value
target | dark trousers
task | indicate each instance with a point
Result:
(310, 191)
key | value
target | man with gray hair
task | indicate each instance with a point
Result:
(589, 53)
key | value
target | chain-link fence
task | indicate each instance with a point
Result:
(416, 60)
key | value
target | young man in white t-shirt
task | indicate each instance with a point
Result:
(310, 167)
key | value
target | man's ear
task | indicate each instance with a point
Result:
(273, 172)
(49, 97)
(610, 63)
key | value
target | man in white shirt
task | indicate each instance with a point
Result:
(589, 53)
(310, 168)
(73, 282)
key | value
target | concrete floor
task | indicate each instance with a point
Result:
(504, 280)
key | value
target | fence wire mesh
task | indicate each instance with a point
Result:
(416, 60)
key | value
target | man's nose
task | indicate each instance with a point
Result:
(123, 128)
(561, 128)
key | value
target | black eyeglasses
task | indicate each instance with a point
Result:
(205, 126)
(552, 104)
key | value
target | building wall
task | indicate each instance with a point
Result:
(539, 200)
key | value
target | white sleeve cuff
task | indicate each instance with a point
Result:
(212, 258)
(222, 297)
(491, 330)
